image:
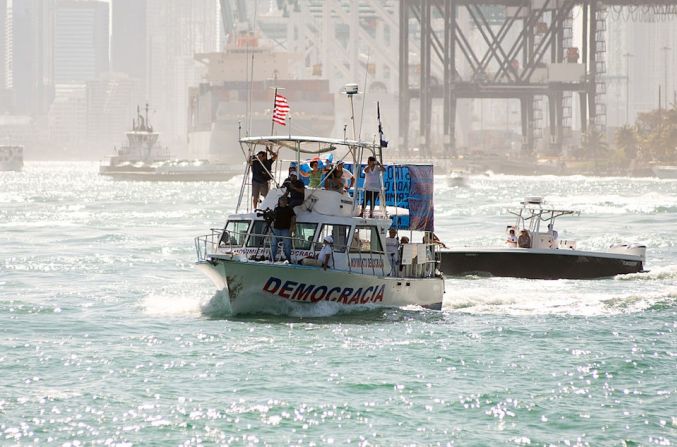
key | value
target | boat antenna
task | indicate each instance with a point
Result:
(251, 90)
(364, 97)
(352, 90)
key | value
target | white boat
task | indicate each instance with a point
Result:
(11, 158)
(237, 257)
(142, 158)
(543, 255)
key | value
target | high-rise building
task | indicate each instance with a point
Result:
(67, 119)
(81, 39)
(4, 44)
(111, 102)
(642, 58)
(32, 58)
(5, 58)
(176, 31)
(128, 39)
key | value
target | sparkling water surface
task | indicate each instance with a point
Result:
(108, 336)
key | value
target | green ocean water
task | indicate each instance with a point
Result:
(108, 336)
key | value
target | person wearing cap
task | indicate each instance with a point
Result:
(262, 170)
(283, 227)
(315, 174)
(347, 178)
(326, 255)
(296, 189)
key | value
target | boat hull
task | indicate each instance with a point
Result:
(537, 264)
(260, 287)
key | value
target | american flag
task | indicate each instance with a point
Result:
(281, 109)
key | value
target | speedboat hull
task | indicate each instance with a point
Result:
(537, 263)
(262, 287)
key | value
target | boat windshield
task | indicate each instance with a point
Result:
(305, 234)
(366, 239)
(339, 233)
(235, 233)
(257, 237)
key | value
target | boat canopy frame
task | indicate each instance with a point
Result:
(530, 215)
(310, 145)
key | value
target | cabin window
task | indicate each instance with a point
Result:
(305, 235)
(338, 232)
(366, 239)
(257, 238)
(235, 233)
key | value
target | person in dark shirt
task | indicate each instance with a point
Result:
(283, 227)
(296, 190)
(262, 169)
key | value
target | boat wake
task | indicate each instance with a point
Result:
(562, 299)
(667, 272)
(170, 305)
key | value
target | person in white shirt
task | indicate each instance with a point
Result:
(393, 251)
(512, 238)
(552, 232)
(372, 184)
(326, 255)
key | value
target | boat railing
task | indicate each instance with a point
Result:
(421, 260)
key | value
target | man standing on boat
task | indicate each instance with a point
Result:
(296, 189)
(283, 227)
(262, 170)
(372, 184)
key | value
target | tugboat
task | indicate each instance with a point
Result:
(536, 254)
(144, 159)
(11, 158)
(238, 257)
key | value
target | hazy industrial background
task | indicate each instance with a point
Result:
(73, 72)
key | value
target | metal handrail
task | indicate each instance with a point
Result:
(210, 243)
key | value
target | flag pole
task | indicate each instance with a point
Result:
(272, 123)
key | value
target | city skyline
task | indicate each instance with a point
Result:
(124, 53)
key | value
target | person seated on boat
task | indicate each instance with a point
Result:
(315, 175)
(262, 170)
(326, 255)
(524, 240)
(356, 243)
(296, 190)
(333, 182)
(347, 178)
(283, 227)
(372, 184)
(393, 251)
(512, 238)
(553, 233)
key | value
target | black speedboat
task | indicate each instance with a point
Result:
(541, 255)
